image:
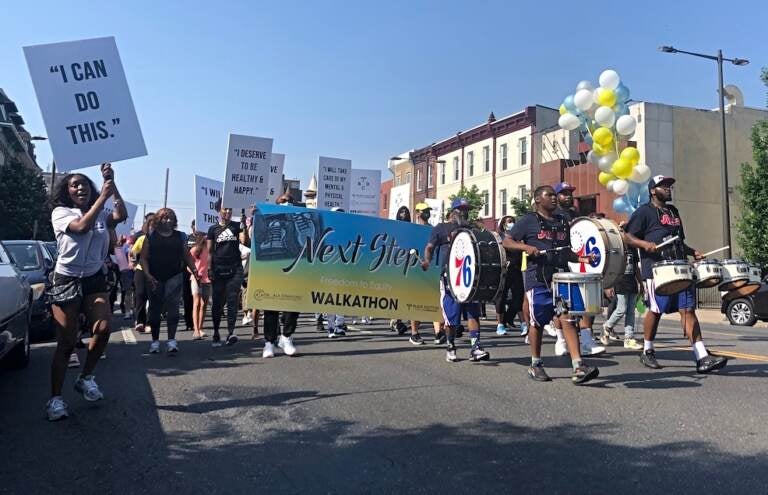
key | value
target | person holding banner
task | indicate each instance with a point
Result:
(544, 230)
(225, 271)
(439, 243)
(79, 283)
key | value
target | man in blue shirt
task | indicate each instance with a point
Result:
(534, 233)
(439, 244)
(652, 224)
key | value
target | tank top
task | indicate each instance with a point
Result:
(166, 257)
(201, 265)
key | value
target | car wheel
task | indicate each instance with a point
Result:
(18, 358)
(741, 313)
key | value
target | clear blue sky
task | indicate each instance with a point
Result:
(365, 80)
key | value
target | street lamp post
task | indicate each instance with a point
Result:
(723, 148)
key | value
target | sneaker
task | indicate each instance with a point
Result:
(332, 335)
(147, 329)
(550, 329)
(584, 373)
(103, 355)
(401, 328)
(87, 386)
(365, 320)
(56, 408)
(450, 355)
(171, 347)
(216, 341)
(154, 347)
(538, 374)
(247, 320)
(416, 339)
(319, 325)
(561, 348)
(439, 338)
(609, 336)
(710, 363)
(524, 330)
(232, 339)
(74, 361)
(648, 358)
(588, 347)
(286, 344)
(139, 328)
(501, 329)
(340, 331)
(478, 354)
(633, 344)
(269, 350)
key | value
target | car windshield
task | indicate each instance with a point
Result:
(25, 256)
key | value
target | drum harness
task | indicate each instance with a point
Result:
(555, 258)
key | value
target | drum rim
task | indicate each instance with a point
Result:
(670, 263)
(733, 261)
(707, 262)
(577, 277)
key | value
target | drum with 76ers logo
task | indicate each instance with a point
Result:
(476, 265)
(601, 237)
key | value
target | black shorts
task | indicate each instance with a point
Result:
(94, 284)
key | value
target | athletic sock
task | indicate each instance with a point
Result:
(559, 333)
(576, 363)
(699, 350)
(535, 361)
(647, 345)
(474, 337)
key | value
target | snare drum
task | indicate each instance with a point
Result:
(602, 237)
(581, 292)
(476, 265)
(708, 273)
(755, 274)
(735, 274)
(671, 277)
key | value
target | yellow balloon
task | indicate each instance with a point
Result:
(606, 97)
(605, 177)
(630, 153)
(622, 168)
(563, 110)
(602, 136)
(599, 150)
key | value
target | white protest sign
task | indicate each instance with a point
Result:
(207, 192)
(399, 196)
(365, 186)
(85, 102)
(246, 181)
(275, 177)
(124, 227)
(436, 213)
(333, 183)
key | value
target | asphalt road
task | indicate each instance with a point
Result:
(371, 413)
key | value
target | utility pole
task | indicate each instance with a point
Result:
(165, 198)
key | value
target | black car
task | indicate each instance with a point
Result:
(34, 263)
(745, 311)
(52, 249)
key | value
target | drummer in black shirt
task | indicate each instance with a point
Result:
(545, 230)
(652, 224)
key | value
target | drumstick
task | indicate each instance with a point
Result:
(413, 252)
(542, 251)
(668, 241)
(715, 251)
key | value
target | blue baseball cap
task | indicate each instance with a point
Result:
(563, 186)
(460, 203)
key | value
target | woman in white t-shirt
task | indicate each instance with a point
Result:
(81, 227)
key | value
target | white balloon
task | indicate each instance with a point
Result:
(569, 121)
(625, 125)
(583, 99)
(609, 79)
(584, 85)
(605, 162)
(605, 116)
(610, 184)
(620, 186)
(640, 173)
(592, 157)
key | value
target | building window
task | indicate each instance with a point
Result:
(429, 176)
(503, 201)
(486, 211)
(522, 144)
(407, 178)
(522, 193)
(504, 156)
(487, 159)
(455, 168)
(442, 173)
(397, 180)
(471, 162)
(418, 180)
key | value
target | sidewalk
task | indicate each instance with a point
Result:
(713, 317)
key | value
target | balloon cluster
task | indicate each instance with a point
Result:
(603, 112)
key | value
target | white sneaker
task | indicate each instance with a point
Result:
(269, 350)
(550, 329)
(56, 408)
(74, 361)
(154, 347)
(588, 347)
(633, 344)
(561, 348)
(286, 344)
(247, 320)
(86, 385)
(171, 347)
(365, 320)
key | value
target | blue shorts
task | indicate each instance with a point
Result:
(540, 306)
(452, 309)
(668, 304)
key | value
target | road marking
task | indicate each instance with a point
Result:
(719, 352)
(128, 336)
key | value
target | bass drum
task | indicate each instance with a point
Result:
(476, 265)
(602, 237)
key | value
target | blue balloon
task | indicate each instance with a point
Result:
(569, 104)
(620, 109)
(622, 93)
(645, 196)
(588, 139)
(621, 205)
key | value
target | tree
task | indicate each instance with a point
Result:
(23, 203)
(475, 199)
(753, 226)
(522, 206)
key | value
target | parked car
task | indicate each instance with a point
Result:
(15, 313)
(745, 311)
(35, 263)
(52, 249)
